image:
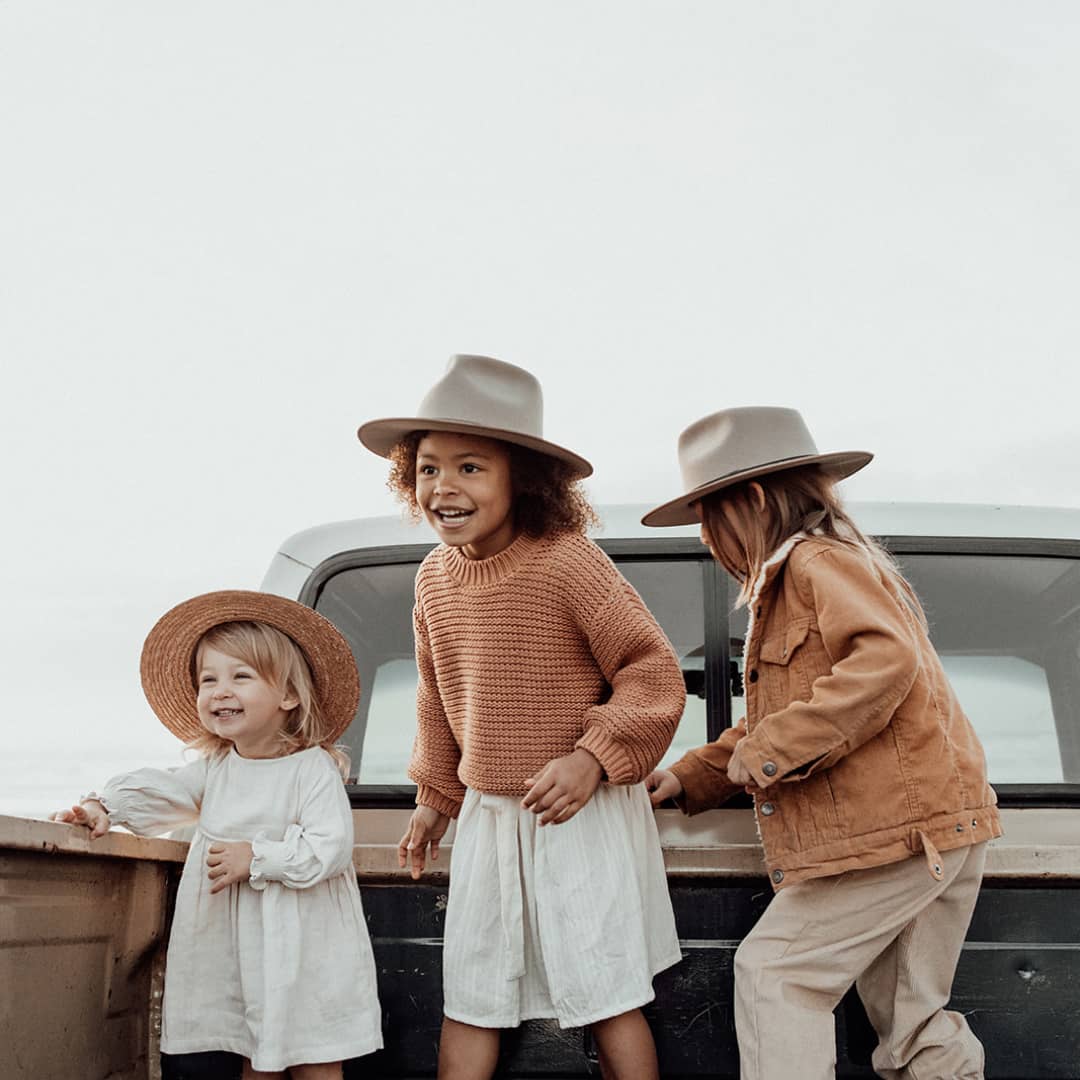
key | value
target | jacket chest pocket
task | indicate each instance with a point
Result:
(784, 676)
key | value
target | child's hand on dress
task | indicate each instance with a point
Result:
(662, 784)
(229, 864)
(89, 813)
(563, 786)
(426, 826)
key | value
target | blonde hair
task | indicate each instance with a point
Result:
(280, 661)
(796, 501)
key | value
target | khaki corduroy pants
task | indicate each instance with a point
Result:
(896, 932)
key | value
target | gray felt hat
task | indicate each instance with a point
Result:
(478, 395)
(740, 444)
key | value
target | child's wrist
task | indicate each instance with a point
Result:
(589, 758)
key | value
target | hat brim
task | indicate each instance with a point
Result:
(169, 650)
(680, 511)
(381, 436)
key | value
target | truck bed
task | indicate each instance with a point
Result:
(83, 926)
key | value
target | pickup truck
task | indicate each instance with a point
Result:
(82, 925)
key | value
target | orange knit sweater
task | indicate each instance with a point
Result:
(526, 655)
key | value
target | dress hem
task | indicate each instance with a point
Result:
(604, 1013)
(317, 1055)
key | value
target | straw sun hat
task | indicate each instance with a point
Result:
(478, 395)
(727, 447)
(168, 656)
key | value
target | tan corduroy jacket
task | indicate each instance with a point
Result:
(852, 729)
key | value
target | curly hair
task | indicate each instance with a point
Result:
(548, 499)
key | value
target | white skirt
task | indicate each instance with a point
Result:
(570, 921)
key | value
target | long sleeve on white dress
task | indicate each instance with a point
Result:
(150, 802)
(317, 847)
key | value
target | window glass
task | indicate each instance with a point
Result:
(673, 592)
(372, 605)
(1007, 629)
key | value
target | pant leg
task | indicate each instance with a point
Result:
(814, 940)
(906, 988)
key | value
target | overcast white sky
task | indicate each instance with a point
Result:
(231, 231)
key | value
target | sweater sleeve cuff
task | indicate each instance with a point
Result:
(617, 764)
(426, 795)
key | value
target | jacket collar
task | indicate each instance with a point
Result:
(770, 568)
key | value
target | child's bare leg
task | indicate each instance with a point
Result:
(252, 1074)
(467, 1052)
(627, 1050)
(323, 1071)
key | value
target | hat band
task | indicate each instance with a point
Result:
(749, 468)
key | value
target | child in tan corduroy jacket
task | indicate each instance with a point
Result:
(869, 782)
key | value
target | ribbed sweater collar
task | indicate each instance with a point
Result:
(490, 571)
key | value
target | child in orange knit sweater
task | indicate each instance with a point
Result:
(541, 675)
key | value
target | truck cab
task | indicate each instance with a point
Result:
(1001, 588)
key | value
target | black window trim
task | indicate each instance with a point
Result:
(717, 599)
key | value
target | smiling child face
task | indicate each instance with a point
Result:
(464, 489)
(238, 704)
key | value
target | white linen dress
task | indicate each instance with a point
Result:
(567, 921)
(280, 969)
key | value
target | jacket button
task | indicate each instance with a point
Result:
(768, 809)
(753, 674)
(769, 768)
(777, 876)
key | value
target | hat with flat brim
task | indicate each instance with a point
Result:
(733, 445)
(482, 396)
(168, 656)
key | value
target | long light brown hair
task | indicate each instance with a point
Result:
(280, 661)
(796, 501)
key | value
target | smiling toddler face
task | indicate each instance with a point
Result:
(236, 703)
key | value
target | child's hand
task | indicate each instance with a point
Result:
(737, 771)
(426, 826)
(662, 784)
(229, 864)
(90, 813)
(563, 787)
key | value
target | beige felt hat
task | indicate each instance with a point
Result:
(478, 395)
(741, 444)
(168, 656)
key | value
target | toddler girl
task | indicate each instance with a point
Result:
(541, 675)
(269, 954)
(857, 754)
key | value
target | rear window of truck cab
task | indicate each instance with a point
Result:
(1004, 616)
